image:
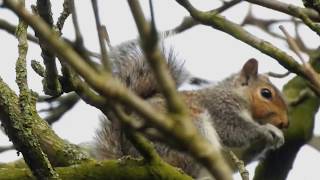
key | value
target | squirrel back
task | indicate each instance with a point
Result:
(241, 111)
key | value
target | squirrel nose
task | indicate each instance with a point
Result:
(283, 125)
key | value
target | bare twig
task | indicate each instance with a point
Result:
(293, 45)
(100, 29)
(64, 15)
(79, 44)
(220, 23)
(276, 75)
(6, 148)
(298, 38)
(307, 21)
(266, 26)
(156, 60)
(309, 72)
(64, 105)
(10, 28)
(79, 38)
(240, 165)
(140, 143)
(285, 8)
(188, 22)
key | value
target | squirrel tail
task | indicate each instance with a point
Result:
(130, 66)
(107, 141)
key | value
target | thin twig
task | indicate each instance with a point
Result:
(307, 21)
(240, 165)
(309, 71)
(144, 147)
(79, 38)
(104, 53)
(10, 28)
(293, 45)
(64, 15)
(188, 22)
(65, 104)
(156, 60)
(220, 23)
(79, 43)
(6, 148)
(285, 8)
(276, 75)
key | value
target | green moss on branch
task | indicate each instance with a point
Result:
(121, 170)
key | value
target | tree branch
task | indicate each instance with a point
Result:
(285, 8)
(104, 53)
(27, 142)
(51, 84)
(121, 169)
(11, 29)
(64, 15)
(218, 22)
(187, 136)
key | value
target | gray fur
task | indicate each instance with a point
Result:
(223, 106)
(131, 67)
(230, 115)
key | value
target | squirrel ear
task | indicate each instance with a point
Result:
(249, 71)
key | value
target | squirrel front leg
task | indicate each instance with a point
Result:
(273, 136)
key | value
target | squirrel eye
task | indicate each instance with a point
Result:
(266, 93)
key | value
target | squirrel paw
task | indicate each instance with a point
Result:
(274, 136)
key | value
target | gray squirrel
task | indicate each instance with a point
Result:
(244, 110)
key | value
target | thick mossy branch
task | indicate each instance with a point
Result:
(60, 152)
(301, 115)
(124, 169)
(27, 143)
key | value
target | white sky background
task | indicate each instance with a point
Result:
(209, 53)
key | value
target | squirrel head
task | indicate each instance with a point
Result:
(265, 100)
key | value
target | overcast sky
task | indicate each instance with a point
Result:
(208, 53)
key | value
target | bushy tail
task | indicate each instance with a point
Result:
(131, 67)
(107, 143)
